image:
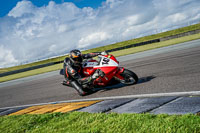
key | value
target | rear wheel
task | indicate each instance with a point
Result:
(130, 77)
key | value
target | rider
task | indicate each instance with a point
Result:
(72, 70)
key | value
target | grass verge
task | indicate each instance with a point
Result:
(31, 72)
(116, 53)
(81, 122)
(156, 45)
(147, 38)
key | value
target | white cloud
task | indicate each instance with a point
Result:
(6, 57)
(52, 48)
(22, 8)
(93, 38)
(29, 33)
(178, 17)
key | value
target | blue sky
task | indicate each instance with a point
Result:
(32, 31)
(7, 5)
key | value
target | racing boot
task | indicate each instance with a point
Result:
(86, 84)
(66, 83)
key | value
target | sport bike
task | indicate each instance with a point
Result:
(112, 72)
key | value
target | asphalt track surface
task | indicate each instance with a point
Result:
(174, 70)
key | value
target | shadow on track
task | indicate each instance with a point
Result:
(120, 85)
(145, 79)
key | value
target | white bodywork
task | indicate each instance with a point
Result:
(103, 62)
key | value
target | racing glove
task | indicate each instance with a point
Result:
(104, 53)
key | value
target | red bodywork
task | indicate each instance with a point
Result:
(110, 71)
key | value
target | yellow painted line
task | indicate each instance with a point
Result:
(27, 110)
(72, 107)
(61, 107)
(33, 108)
(48, 108)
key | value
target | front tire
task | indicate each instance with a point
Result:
(130, 78)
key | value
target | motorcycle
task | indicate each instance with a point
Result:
(109, 65)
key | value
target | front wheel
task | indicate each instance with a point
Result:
(130, 78)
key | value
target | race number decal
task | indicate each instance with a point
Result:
(105, 61)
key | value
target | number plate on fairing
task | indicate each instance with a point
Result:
(90, 64)
(107, 62)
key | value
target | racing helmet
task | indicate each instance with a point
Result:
(75, 56)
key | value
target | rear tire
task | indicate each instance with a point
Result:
(130, 78)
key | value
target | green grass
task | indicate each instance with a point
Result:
(2, 70)
(31, 72)
(111, 46)
(146, 38)
(80, 122)
(116, 53)
(156, 45)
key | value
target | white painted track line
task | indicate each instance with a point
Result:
(180, 94)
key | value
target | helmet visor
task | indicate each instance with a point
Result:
(77, 59)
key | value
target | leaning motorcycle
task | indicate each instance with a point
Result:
(109, 65)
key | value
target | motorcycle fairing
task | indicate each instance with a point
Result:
(105, 64)
(108, 64)
(119, 71)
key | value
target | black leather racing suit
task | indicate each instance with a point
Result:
(74, 72)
